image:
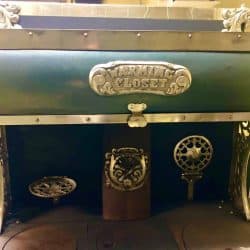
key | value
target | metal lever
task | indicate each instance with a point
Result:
(191, 179)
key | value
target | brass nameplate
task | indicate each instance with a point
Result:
(128, 77)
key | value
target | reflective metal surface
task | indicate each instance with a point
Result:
(53, 187)
(137, 119)
(122, 118)
(5, 195)
(236, 20)
(238, 188)
(126, 11)
(192, 154)
(126, 169)
(9, 16)
(128, 77)
(123, 40)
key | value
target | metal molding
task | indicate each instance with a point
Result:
(123, 40)
(122, 118)
(112, 11)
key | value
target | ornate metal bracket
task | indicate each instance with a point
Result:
(9, 17)
(52, 187)
(137, 119)
(126, 169)
(236, 20)
(129, 77)
(5, 195)
(192, 154)
(238, 185)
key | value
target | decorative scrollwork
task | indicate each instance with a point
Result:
(192, 154)
(128, 77)
(126, 169)
(238, 186)
(236, 20)
(9, 17)
(52, 187)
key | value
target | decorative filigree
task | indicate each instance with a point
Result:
(128, 77)
(192, 154)
(9, 17)
(236, 20)
(53, 187)
(238, 189)
(126, 169)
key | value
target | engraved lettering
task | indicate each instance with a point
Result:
(127, 83)
(153, 83)
(125, 77)
(159, 72)
(145, 83)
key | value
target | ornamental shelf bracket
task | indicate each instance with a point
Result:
(9, 16)
(137, 119)
(236, 20)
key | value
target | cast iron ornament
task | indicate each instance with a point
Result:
(126, 169)
(52, 187)
(192, 154)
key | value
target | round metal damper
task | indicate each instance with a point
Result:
(193, 153)
(52, 187)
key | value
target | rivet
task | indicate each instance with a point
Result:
(220, 207)
(37, 120)
(88, 119)
(239, 36)
(30, 33)
(231, 212)
(18, 222)
(85, 34)
(138, 34)
(189, 35)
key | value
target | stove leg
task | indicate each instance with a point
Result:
(4, 178)
(238, 185)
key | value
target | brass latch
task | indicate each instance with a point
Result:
(137, 119)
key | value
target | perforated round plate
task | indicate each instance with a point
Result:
(193, 153)
(52, 187)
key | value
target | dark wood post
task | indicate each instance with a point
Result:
(126, 184)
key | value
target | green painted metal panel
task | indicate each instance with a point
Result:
(56, 82)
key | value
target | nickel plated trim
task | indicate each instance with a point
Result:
(121, 118)
(196, 12)
(111, 40)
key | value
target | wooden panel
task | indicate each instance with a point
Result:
(120, 205)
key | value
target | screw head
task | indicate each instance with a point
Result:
(138, 34)
(30, 33)
(189, 35)
(85, 34)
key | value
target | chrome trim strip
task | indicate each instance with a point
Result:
(30, 39)
(196, 12)
(122, 118)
